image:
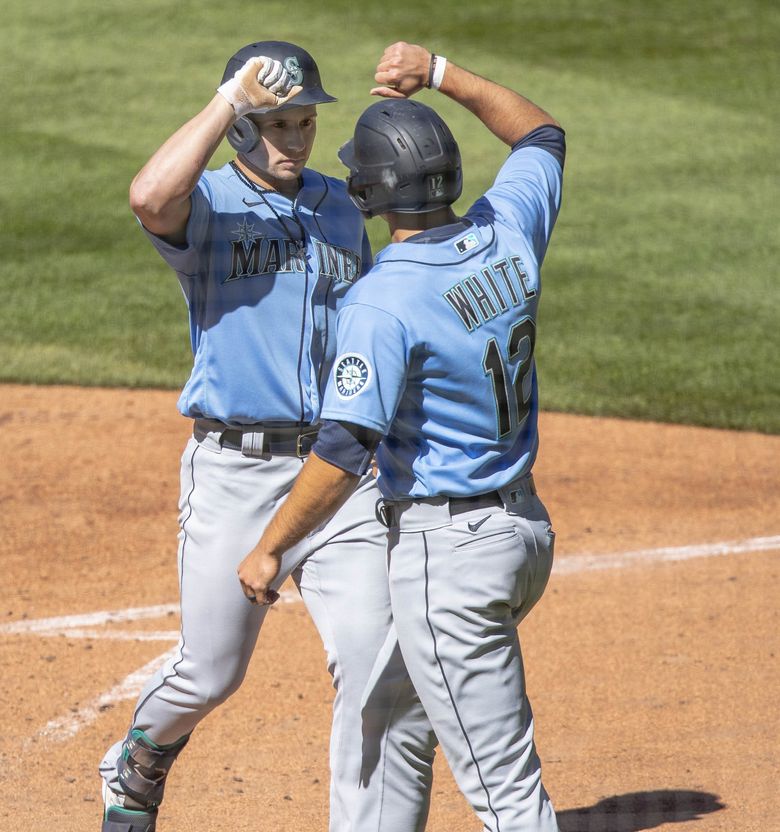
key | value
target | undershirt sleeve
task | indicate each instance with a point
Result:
(549, 138)
(347, 446)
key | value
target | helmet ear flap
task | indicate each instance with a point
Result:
(243, 135)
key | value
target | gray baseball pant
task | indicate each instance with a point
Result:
(227, 498)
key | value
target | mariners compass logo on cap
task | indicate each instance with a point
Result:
(352, 374)
(293, 69)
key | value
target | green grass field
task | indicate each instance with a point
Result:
(661, 285)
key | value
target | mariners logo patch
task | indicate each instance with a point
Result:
(293, 69)
(352, 374)
(466, 243)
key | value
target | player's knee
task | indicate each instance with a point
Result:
(205, 686)
(220, 691)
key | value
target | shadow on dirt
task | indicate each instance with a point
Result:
(637, 811)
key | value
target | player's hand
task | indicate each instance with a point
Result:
(402, 70)
(256, 572)
(260, 85)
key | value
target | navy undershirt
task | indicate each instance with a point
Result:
(347, 446)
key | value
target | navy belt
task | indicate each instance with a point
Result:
(460, 504)
(296, 440)
(386, 511)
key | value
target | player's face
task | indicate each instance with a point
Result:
(286, 142)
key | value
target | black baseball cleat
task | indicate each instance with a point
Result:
(117, 817)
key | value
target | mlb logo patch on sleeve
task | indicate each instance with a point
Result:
(351, 373)
(466, 243)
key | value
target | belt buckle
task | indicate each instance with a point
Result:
(299, 452)
(384, 513)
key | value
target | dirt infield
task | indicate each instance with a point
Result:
(653, 666)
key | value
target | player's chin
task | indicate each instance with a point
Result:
(290, 168)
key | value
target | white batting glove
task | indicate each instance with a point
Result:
(260, 85)
(273, 76)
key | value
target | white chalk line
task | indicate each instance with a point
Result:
(68, 624)
(68, 725)
(91, 619)
(113, 635)
(577, 564)
(83, 626)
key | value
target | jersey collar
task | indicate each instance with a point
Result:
(314, 189)
(446, 245)
(441, 232)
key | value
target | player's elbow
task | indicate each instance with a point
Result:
(526, 126)
(145, 200)
(160, 212)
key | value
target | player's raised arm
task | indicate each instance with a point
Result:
(160, 192)
(405, 69)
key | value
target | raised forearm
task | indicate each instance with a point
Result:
(506, 113)
(404, 69)
(160, 192)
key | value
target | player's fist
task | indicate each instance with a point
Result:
(256, 572)
(260, 85)
(402, 70)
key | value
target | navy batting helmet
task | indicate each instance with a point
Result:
(402, 158)
(243, 135)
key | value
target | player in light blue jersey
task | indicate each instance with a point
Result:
(264, 249)
(435, 358)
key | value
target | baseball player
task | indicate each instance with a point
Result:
(264, 249)
(435, 357)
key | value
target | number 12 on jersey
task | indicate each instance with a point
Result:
(522, 338)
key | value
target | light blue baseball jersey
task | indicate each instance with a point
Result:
(436, 345)
(261, 308)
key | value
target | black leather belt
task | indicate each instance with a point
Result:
(296, 440)
(460, 504)
(387, 512)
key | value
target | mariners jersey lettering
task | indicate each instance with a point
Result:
(263, 278)
(445, 330)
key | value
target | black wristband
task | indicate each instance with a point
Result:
(431, 70)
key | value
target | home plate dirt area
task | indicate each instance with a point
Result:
(653, 660)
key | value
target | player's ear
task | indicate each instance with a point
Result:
(243, 135)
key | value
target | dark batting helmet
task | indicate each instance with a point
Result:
(243, 135)
(402, 158)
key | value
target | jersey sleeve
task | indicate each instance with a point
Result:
(186, 259)
(369, 374)
(527, 190)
